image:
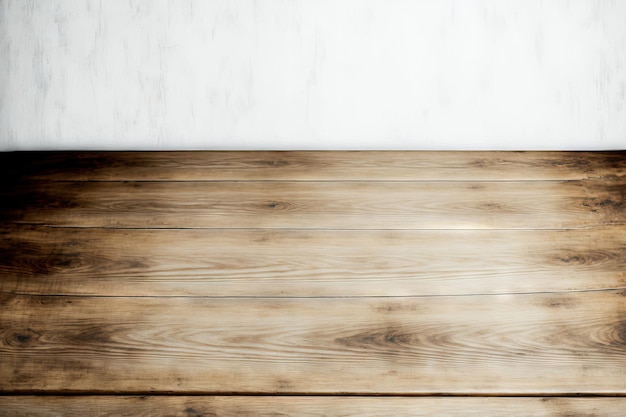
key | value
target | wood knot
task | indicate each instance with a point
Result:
(192, 412)
(276, 163)
(277, 205)
(23, 338)
(574, 259)
(66, 261)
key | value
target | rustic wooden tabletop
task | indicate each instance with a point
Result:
(313, 283)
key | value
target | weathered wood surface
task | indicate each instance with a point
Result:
(299, 263)
(325, 205)
(235, 406)
(314, 166)
(361, 273)
(528, 344)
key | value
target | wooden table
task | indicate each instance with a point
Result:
(313, 283)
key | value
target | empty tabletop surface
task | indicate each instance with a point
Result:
(313, 283)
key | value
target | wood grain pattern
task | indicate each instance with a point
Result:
(355, 205)
(234, 406)
(302, 263)
(312, 283)
(509, 344)
(314, 166)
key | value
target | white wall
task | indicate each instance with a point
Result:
(312, 74)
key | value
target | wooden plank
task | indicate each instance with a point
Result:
(288, 263)
(501, 344)
(236, 406)
(333, 166)
(353, 205)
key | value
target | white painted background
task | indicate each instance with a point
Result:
(312, 74)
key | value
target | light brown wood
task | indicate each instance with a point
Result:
(529, 344)
(306, 166)
(180, 406)
(443, 281)
(312, 205)
(292, 263)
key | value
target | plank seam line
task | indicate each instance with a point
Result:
(299, 229)
(254, 297)
(337, 181)
(305, 394)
